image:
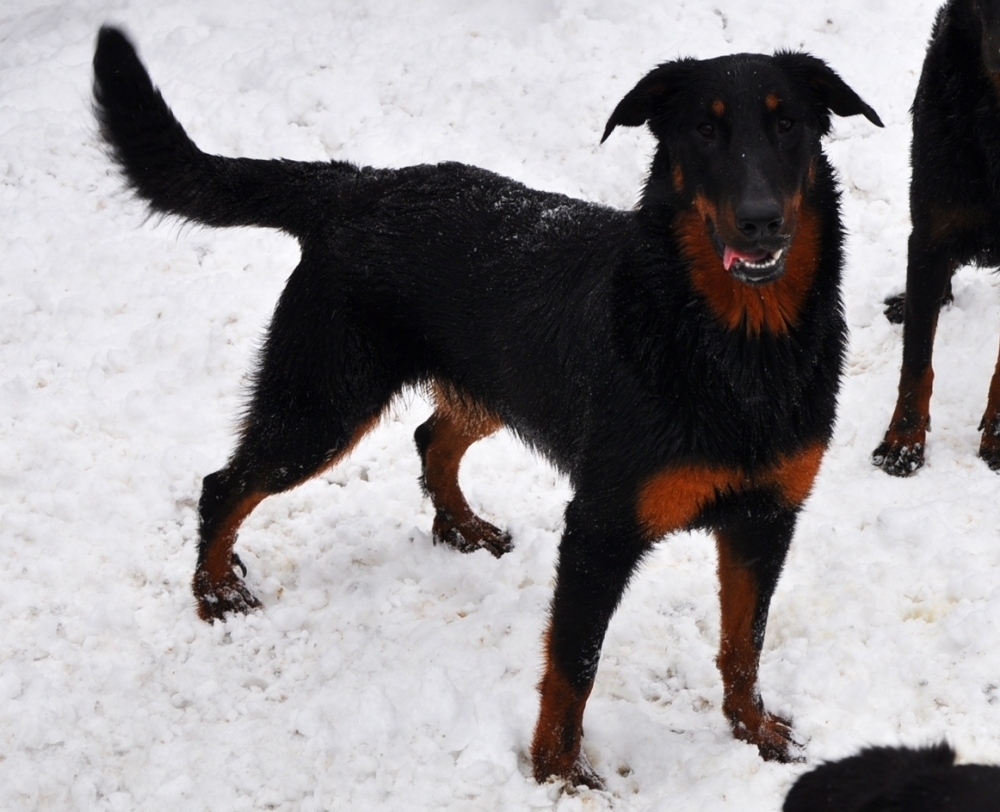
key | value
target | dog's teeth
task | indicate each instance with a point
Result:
(768, 261)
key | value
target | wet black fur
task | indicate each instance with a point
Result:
(897, 779)
(955, 160)
(956, 135)
(575, 323)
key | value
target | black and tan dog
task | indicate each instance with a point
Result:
(679, 362)
(897, 779)
(955, 212)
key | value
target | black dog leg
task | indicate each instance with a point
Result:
(597, 556)
(901, 452)
(305, 414)
(752, 545)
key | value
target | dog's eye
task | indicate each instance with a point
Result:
(706, 130)
(785, 125)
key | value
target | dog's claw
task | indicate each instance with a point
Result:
(216, 600)
(239, 563)
(583, 775)
(990, 454)
(774, 739)
(471, 535)
(989, 445)
(899, 459)
(579, 774)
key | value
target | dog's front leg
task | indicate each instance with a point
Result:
(597, 555)
(752, 545)
(928, 272)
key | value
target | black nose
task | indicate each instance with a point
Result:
(759, 217)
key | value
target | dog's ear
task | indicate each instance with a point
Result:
(827, 91)
(648, 97)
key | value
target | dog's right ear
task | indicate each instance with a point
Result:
(824, 88)
(647, 98)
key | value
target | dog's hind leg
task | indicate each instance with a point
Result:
(321, 385)
(901, 452)
(290, 455)
(442, 441)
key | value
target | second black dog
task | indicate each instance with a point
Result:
(955, 211)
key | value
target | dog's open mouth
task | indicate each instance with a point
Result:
(755, 267)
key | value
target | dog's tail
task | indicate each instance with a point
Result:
(165, 168)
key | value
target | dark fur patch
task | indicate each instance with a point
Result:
(897, 779)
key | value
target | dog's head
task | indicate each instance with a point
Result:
(738, 141)
(986, 16)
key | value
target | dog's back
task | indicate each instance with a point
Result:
(897, 779)
(443, 239)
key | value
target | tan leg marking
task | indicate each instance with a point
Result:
(455, 425)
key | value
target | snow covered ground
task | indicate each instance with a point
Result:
(384, 672)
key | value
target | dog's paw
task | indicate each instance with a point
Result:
(895, 307)
(774, 739)
(989, 452)
(899, 459)
(989, 445)
(471, 535)
(573, 773)
(218, 599)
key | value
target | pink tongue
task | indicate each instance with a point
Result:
(731, 255)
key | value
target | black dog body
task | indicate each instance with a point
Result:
(680, 362)
(897, 779)
(955, 213)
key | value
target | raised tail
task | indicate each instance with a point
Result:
(165, 168)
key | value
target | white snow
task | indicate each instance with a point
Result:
(384, 672)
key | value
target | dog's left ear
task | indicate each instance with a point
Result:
(648, 98)
(828, 92)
